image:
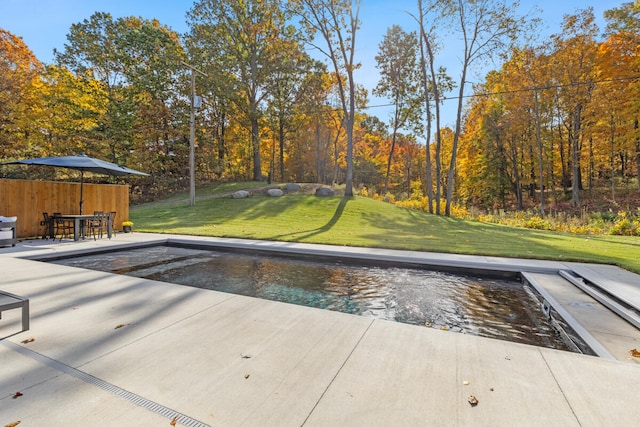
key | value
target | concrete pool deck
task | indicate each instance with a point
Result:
(111, 350)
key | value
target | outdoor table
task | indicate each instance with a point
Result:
(79, 224)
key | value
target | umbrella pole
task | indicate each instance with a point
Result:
(81, 182)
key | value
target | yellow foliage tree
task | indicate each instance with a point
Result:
(21, 101)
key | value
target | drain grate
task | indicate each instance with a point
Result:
(90, 379)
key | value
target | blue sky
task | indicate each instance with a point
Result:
(44, 24)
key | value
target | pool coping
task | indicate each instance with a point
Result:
(425, 259)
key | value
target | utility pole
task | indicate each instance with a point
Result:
(192, 133)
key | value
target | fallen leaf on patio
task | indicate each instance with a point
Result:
(174, 421)
(444, 328)
(428, 324)
(246, 376)
(473, 401)
(465, 382)
(17, 395)
(13, 424)
(28, 340)
(122, 325)
(245, 357)
(507, 358)
(634, 352)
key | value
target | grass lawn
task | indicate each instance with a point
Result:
(365, 222)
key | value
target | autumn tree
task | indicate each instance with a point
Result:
(151, 58)
(244, 41)
(523, 79)
(623, 31)
(314, 105)
(286, 96)
(93, 51)
(21, 97)
(337, 22)
(485, 170)
(427, 56)
(335, 121)
(370, 152)
(574, 67)
(135, 61)
(611, 131)
(534, 69)
(486, 27)
(435, 82)
(75, 106)
(400, 82)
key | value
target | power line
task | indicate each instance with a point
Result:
(379, 105)
(530, 89)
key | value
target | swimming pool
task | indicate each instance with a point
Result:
(496, 308)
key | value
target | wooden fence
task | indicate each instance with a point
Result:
(29, 199)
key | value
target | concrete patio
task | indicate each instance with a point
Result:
(112, 350)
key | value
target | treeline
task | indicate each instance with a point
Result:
(558, 118)
(555, 118)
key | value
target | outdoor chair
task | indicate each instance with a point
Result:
(8, 225)
(48, 226)
(98, 224)
(62, 227)
(112, 221)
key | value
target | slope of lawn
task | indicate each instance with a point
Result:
(365, 222)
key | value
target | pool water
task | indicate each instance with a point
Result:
(500, 309)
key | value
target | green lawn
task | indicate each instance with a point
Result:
(365, 222)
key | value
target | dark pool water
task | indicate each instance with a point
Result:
(491, 308)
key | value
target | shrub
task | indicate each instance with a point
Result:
(537, 223)
(625, 225)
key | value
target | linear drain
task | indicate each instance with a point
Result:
(90, 379)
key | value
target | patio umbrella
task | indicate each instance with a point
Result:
(83, 163)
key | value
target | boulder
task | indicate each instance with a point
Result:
(325, 192)
(275, 192)
(240, 194)
(292, 187)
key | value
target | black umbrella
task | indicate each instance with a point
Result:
(82, 163)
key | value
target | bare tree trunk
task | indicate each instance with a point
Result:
(319, 174)
(532, 173)
(392, 149)
(575, 158)
(613, 167)
(592, 165)
(389, 160)
(636, 125)
(436, 101)
(456, 138)
(336, 154)
(424, 41)
(255, 134)
(516, 174)
(222, 149)
(255, 145)
(540, 150)
(281, 149)
(552, 176)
